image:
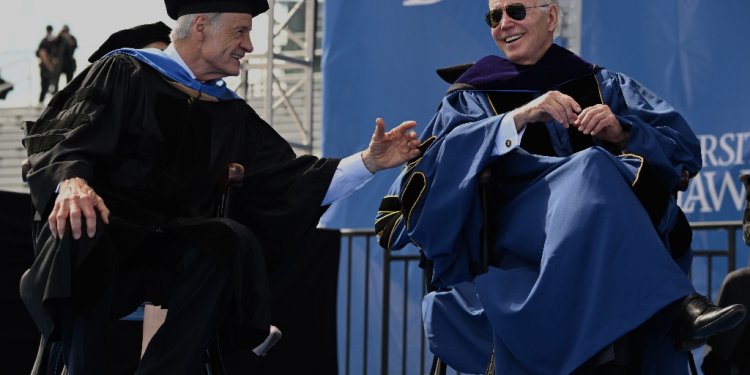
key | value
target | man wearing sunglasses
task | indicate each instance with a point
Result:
(586, 270)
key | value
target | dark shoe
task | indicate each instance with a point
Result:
(699, 318)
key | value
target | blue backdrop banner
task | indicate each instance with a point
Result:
(694, 55)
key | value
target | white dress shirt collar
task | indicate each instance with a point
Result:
(171, 52)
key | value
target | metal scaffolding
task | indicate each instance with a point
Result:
(280, 82)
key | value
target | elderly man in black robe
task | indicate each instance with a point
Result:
(128, 165)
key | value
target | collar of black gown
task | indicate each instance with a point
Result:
(557, 66)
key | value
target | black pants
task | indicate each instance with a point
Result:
(46, 81)
(69, 73)
(195, 288)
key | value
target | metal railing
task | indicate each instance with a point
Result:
(365, 241)
(731, 230)
(355, 240)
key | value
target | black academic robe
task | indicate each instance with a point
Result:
(157, 155)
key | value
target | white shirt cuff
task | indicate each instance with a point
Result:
(351, 174)
(507, 138)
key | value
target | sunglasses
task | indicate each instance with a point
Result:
(514, 11)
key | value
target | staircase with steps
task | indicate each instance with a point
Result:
(12, 152)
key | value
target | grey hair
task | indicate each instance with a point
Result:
(182, 26)
(558, 11)
(560, 14)
(551, 2)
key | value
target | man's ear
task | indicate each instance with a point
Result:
(199, 26)
(553, 18)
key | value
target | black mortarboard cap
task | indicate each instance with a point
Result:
(136, 37)
(177, 8)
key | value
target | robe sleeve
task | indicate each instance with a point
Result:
(80, 128)
(455, 109)
(281, 196)
(658, 132)
(389, 225)
(460, 142)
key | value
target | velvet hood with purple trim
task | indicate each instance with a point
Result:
(492, 72)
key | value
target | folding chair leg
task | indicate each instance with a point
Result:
(42, 357)
(214, 360)
(438, 367)
(48, 359)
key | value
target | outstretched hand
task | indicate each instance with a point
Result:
(392, 148)
(75, 199)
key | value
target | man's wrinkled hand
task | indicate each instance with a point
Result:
(392, 148)
(553, 105)
(76, 202)
(599, 121)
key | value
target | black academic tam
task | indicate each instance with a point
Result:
(177, 8)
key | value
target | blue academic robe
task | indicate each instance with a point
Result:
(583, 261)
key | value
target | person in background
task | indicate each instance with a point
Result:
(588, 253)
(129, 163)
(66, 46)
(48, 63)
